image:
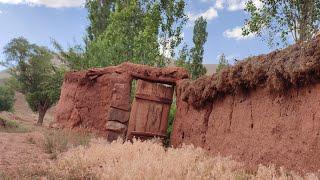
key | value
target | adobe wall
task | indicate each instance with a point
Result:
(256, 128)
(99, 99)
(239, 113)
(265, 109)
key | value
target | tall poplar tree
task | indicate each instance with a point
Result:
(99, 16)
(200, 35)
(134, 31)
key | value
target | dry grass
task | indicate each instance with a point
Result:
(296, 66)
(149, 160)
(11, 126)
(58, 141)
(3, 176)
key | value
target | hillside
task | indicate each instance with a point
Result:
(3, 75)
(21, 108)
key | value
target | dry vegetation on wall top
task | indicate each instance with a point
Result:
(296, 66)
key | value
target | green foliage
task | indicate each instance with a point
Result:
(299, 18)
(192, 60)
(173, 19)
(75, 56)
(130, 36)
(6, 98)
(184, 58)
(172, 114)
(11, 126)
(223, 62)
(16, 51)
(13, 84)
(133, 31)
(128, 30)
(200, 35)
(98, 15)
(40, 80)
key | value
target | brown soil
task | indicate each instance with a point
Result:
(22, 112)
(18, 152)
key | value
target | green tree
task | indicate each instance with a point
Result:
(173, 19)
(128, 30)
(130, 36)
(223, 62)
(74, 57)
(298, 18)
(40, 80)
(184, 58)
(98, 14)
(6, 98)
(200, 35)
(133, 31)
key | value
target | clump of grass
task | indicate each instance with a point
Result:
(58, 141)
(11, 126)
(31, 140)
(3, 176)
(149, 160)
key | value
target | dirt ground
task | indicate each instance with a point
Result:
(18, 150)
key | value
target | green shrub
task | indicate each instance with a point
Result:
(10, 126)
(172, 114)
(6, 98)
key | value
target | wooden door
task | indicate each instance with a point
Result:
(150, 110)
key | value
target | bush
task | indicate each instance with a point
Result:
(10, 126)
(172, 114)
(59, 141)
(6, 98)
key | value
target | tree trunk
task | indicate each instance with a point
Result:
(42, 113)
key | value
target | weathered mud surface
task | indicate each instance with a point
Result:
(99, 99)
(294, 67)
(265, 110)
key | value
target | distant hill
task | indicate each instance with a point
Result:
(3, 76)
(211, 68)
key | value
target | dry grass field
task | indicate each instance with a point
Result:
(58, 154)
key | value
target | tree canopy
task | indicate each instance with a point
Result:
(40, 80)
(200, 35)
(223, 62)
(192, 59)
(139, 31)
(6, 98)
(299, 19)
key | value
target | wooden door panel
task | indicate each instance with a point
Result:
(150, 109)
(154, 117)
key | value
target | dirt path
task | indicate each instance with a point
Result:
(20, 150)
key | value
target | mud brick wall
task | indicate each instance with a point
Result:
(265, 110)
(99, 99)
